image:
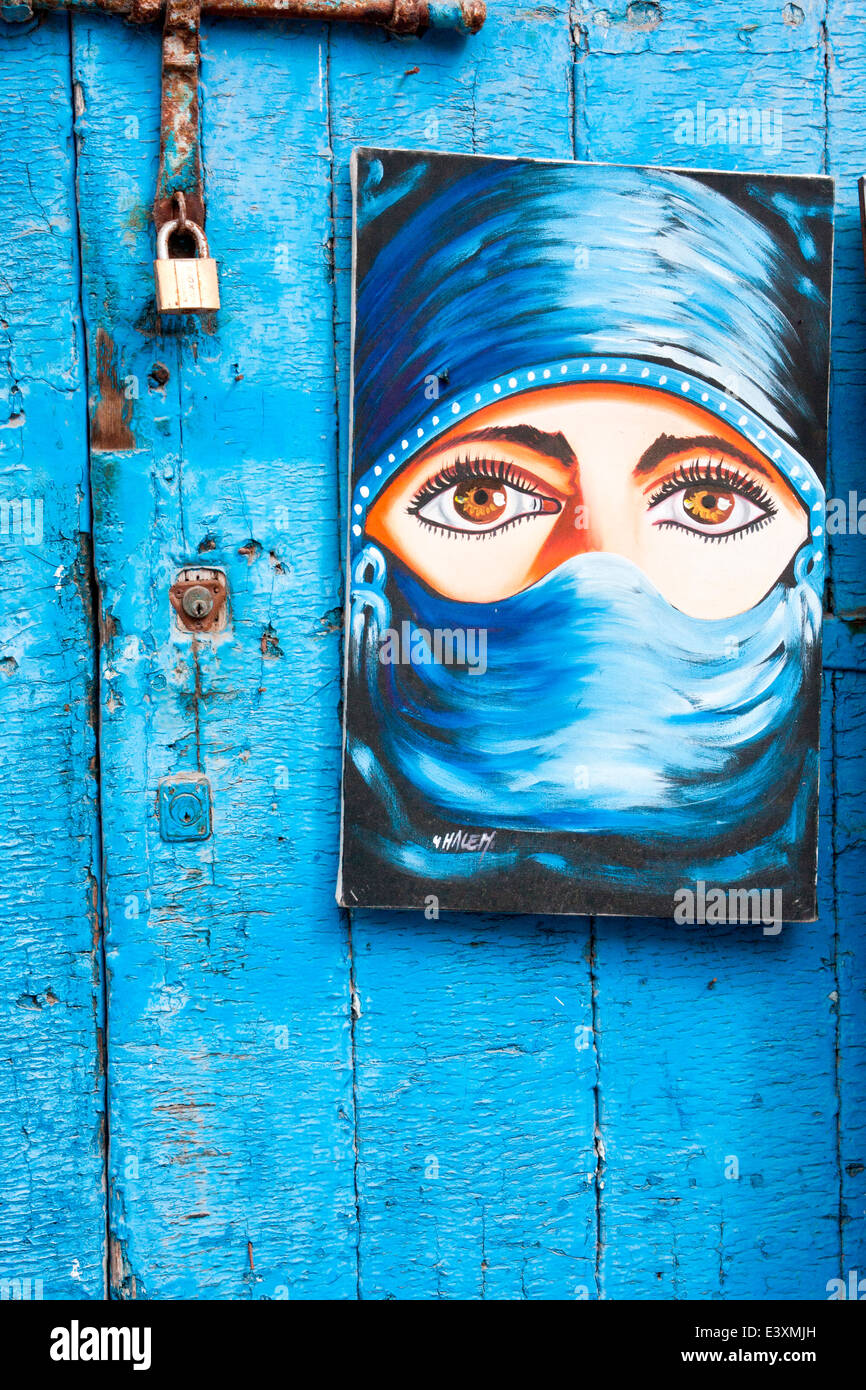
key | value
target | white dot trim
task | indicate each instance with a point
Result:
(633, 369)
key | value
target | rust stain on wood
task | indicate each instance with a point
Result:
(123, 1282)
(109, 428)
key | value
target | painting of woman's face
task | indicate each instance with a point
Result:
(566, 470)
(586, 535)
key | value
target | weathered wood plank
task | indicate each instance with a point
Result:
(846, 105)
(717, 1062)
(231, 1157)
(719, 1105)
(52, 1204)
(849, 861)
(485, 1167)
(475, 1060)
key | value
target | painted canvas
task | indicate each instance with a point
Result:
(586, 537)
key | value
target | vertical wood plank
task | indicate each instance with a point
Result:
(485, 1167)
(846, 105)
(476, 1065)
(231, 1158)
(717, 1063)
(52, 1226)
(849, 862)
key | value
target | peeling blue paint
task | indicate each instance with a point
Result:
(303, 1105)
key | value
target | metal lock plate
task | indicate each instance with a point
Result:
(199, 598)
(184, 807)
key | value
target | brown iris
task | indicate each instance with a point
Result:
(479, 502)
(708, 505)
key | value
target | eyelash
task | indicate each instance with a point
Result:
(714, 471)
(467, 470)
(708, 471)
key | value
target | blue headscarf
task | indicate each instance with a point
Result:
(479, 279)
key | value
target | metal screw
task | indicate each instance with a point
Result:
(197, 602)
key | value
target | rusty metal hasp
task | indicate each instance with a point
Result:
(400, 16)
(185, 284)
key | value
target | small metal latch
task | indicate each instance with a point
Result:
(184, 807)
(199, 598)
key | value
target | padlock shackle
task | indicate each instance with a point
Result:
(169, 228)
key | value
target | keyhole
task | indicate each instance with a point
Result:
(185, 809)
(197, 602)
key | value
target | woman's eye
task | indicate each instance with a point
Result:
(481, 506)
(708, 509)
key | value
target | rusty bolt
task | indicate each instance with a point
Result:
(197, 602)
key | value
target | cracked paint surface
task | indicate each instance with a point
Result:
(304, 1103)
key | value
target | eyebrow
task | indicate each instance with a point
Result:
(666, 446)
(552, 446)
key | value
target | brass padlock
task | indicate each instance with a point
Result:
(183, 285)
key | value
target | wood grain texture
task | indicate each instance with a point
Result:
(721, 1171)
(231, 1163)
(52, 1205)
(845, 53)
(476, 1066)
(300, 1104)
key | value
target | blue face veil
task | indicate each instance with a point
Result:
(612, 749)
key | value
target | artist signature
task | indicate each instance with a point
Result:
(473, 842)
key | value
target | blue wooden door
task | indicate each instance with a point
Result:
(215, 1083)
